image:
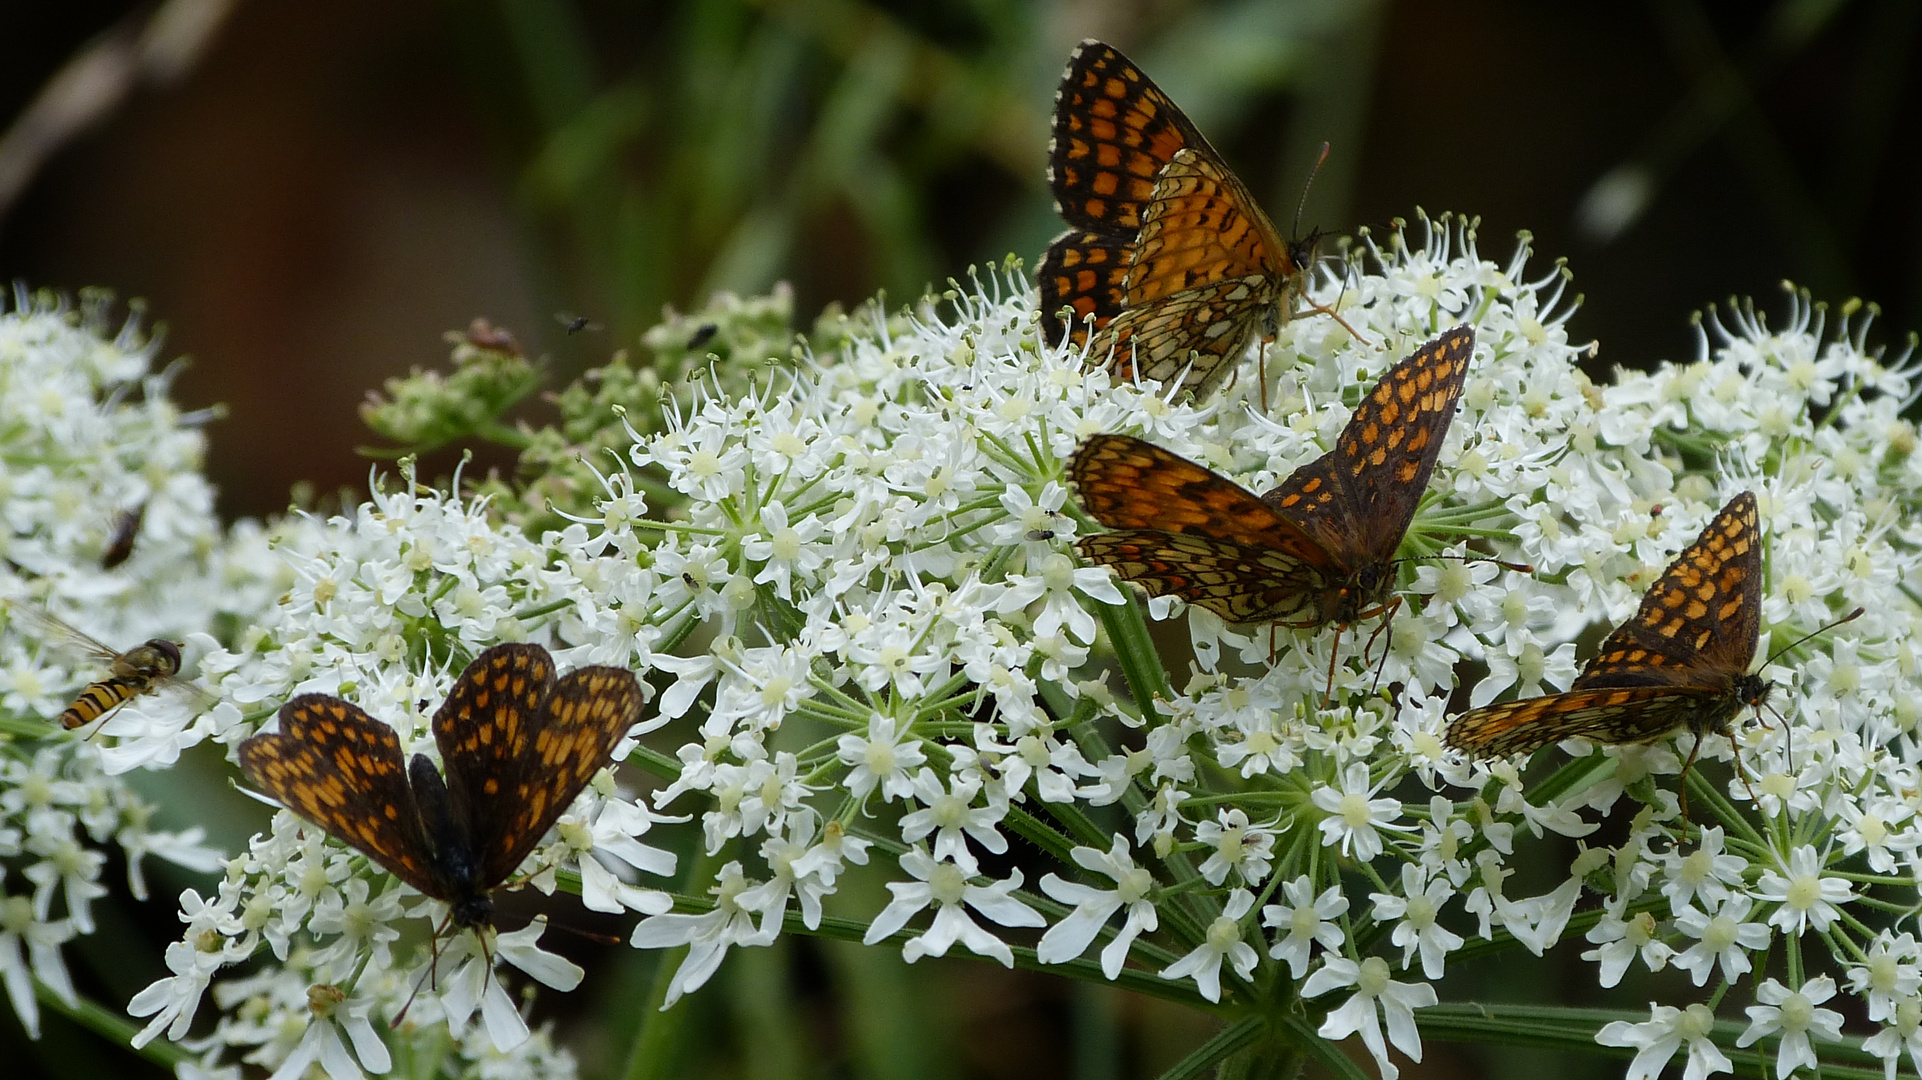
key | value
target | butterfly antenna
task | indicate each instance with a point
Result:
(1850, 617)
(1305, 187)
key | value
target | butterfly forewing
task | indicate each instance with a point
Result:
(1129, 483)
(1087, 273)
(1698, 624)
(1114, 130)
(1682, 659)
(1358, 499)
(1202, 227)
(342, 769)
(518, 745)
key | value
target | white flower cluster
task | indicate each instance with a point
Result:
(864, 590)
(88, 436)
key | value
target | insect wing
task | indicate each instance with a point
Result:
(1358, 499)
(1698, 624)
(341, 769)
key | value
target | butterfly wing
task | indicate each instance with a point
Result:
(1202, 227)
(1624, 714)
(1196, 336)
(1114, 130)
(1185, 530)
(1357, 499)
(1697, 625)
(341, 769)
(519, 744)
(1085, 271)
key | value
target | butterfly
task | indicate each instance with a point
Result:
(1166, 248)
(1681, 661)
(518, 745)
(1315, 550)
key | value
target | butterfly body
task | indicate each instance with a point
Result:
(518, 744)
(1680, 661)
(1317, 549)
(1167, 254)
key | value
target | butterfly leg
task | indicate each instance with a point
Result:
(1687, 767)
(433, 965)
(1324, 309)
(1261, 372)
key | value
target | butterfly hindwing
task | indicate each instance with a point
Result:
(1238, 582)
(341, 769)
(1617, 715)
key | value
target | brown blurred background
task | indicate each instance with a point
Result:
(309, 194)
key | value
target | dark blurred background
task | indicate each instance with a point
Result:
(309, 194)
(316, 193)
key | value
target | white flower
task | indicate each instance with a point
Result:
(1069, 938)
(1307, 920)
(1807, 897)
(1725, 938)
(1238, 845)
(883, 759)
(708, 936)
(1904, 1032)
(1621, 939)
(1417, 908)
(1794, 1015)
(945, 885)
(1706, 871)
(1355, 818)
(336, 1014)
(1657, 1039)
(29, 942)
(1223, 940)
(948, 814)
(1373, 987)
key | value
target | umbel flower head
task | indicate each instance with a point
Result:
(856, 581)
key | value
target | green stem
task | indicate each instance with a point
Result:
(112, 1025)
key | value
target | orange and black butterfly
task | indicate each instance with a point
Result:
(1681, 661)
(518, 744)
(1317, 549)
(1166, 249)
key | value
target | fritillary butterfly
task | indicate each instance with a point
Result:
(1166, 249)
(1315, 550)
(1681, 661)
(518, 745)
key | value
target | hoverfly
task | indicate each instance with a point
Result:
(142, 669)
(574, 324)
(126, 529)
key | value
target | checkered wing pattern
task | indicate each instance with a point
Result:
(1681, 660)
(519, 744)
(1698, 624)
(1168, 254)
(1086, 272)
(1358, 499)
(1185, 530)
(341, 769)
(1604, 714)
